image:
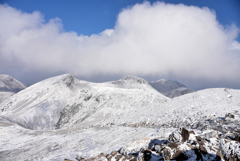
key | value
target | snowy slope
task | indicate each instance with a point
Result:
(64, 101)
(87, 141)
(5, 95)
(170, 88)
(8, 83)
(80, 118)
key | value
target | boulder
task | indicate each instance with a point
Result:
(147, 154)
(229, 115)
(180, 135)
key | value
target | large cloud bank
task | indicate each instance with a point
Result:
(148, 39)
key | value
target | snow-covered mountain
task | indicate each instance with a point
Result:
(64, 101)
(170, 88)
(63, 117)
(9, 86)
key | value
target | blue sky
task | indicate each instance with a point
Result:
(193, 41)
(93, 16)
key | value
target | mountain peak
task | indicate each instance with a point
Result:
(132, 82)
(134, 78)
(170, 88)
(169, 83)
(10, 84)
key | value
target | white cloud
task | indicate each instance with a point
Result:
(157, 39)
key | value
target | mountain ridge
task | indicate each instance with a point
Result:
(64, 99)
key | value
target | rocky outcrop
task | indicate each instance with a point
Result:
(182, 145)
(180, 135)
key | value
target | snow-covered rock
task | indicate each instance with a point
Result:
(180, 135)
(230, 149)
(170, 88)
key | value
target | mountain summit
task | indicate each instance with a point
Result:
(9, 84)
(170, 88)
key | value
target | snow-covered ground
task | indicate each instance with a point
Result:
(5, 95)
(63, 117)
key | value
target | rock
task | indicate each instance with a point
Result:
(192, 147)
(67, 160)
(158, 148)
(102, 155)
(118, 157)
(237, 138)
(147, 154)
(219, 154)
(173, 145)
(198, 138)
(140, 155)
(180, 135)
(230, 149)
(133, 159)
(167, 153)
(203, 149)
(213, 134)
(229, 115)
(185, 134)
(180, 155)
(191, 132)
(114, 153)
(198, 154)
(109, 157)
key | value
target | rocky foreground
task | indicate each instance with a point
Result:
(180, 145)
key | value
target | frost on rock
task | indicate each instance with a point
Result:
(180, 135)
(230, 149)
